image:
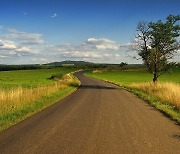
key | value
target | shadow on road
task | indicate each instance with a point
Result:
(95, 87)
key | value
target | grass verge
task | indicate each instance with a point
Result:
(166, 108)
(165, 91)
(45, 97)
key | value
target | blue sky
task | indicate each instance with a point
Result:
(40, 31)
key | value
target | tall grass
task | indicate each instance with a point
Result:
(14, 99)
(165, 91)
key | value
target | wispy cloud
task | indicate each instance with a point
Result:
(93, 49)
(18, 44)
(91, 44)
(88, 55)
(103, 44)
(54, 15)
(31, 48)
(24, 37)
(12, 49)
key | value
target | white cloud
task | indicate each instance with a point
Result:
(54, 15)
(92, 49)
(1, 27)
(27, 47)
(101, 40)
(11, 49)
(16, 44)
(92, 44)
(107, 47)
(7, 45)
(103, 44)
(23, 50)
(23, 37)
(78, 54)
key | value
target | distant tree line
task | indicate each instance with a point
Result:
(20, 67)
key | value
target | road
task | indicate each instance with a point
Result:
(99, 118)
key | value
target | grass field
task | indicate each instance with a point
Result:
(29, 78)
(127, 77)
(165, 95)
(23, 93)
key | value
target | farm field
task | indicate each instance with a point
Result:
(132, 76)
(30, 78)
(164, 96)
(24, 93)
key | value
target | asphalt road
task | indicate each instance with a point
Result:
(99, 118)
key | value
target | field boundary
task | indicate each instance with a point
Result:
(165, 108)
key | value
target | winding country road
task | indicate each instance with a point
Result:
(99, 118)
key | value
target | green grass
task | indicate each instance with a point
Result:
(33, 79)
(128, 77)
(125, 78)
(29, 78)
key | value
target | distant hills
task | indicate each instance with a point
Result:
(69, 62)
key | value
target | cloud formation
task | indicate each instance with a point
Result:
(103, 44)
(91, 44)
(90, 55)
(31, 48)
(7, 45)
(92, 49)
(24, 37)
(11, 49)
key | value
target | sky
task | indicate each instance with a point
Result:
(100, 31)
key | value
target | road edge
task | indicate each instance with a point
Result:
(31, 110)
(154, 102)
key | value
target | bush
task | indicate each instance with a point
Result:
(56, 77)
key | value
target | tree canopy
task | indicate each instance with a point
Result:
(157, 43)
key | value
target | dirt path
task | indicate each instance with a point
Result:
(99, 118)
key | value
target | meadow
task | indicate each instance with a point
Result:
(26, 92)
(165, 95)
(29, 78)
(129, 76)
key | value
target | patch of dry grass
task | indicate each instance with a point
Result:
(98, 71)
(165, 91)
(17, 98)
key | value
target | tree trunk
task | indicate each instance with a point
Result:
(155, 78)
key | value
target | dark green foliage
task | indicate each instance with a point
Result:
(68, 62)
(56, 77)
(157, 44)
(122, 64)
(20, 67)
